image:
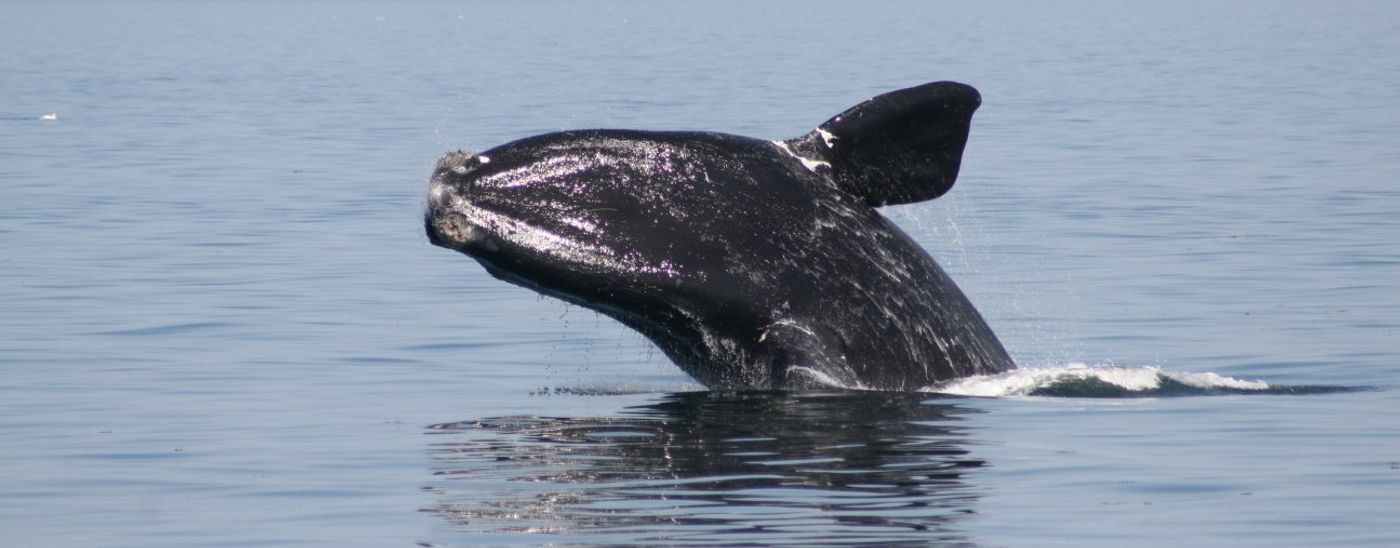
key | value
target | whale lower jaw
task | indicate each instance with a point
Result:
(454, 231)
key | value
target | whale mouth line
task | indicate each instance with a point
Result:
(452, 230)
(459, 224)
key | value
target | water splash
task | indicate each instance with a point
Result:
(619, 389)
(1073, 380)
(1081, 380)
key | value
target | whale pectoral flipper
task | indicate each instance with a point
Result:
(900, 147)
(805, 357)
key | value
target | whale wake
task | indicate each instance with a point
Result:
(1080, 380)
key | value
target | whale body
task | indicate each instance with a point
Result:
(752, 264)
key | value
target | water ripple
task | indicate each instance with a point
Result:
(716, 469)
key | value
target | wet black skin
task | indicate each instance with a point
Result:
(752, 264)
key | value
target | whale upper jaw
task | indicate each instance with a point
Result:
(445, 225)
(446, 219)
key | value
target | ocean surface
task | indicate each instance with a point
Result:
(221, 323)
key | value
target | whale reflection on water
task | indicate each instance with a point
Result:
(715, 468)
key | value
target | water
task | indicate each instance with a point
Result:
(220, 323)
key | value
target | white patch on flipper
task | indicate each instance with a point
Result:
(811, 165)
(484, 159)
(827, 137)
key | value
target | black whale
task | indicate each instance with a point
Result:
(752, 264)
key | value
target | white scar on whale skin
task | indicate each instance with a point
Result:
(463, 169)
(811, 165)
(788, 323)
(827, 137)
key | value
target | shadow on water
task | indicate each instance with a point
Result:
(715, 469)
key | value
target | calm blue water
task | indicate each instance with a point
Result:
(221, 324)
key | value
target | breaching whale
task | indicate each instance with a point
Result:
(752, 264)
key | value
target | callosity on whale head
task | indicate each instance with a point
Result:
(750, 263)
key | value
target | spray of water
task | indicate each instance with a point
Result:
(1085, 380)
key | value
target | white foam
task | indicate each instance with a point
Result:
(49, 117)
(825, 379)
(622, 389)
(1025, 381)
(1212, 380)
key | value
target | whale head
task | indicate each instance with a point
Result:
(685, 237)
(566, 217)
